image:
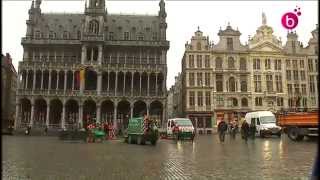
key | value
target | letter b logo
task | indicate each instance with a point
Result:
(289, 20)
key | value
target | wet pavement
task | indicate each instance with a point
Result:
(205, 158)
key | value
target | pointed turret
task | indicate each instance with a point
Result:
(162, 12)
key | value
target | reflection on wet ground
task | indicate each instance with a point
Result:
(205, 158)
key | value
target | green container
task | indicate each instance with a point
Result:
(137, 134)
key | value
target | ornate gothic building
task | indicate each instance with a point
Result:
(228, 79)
(92, 66)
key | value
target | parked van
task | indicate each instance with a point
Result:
(265, 122)
(186, 129)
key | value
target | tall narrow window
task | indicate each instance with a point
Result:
(256, 64)
(243, 64)
(191, 98)
(200, 99)
(279, 83)
(191, 61)
(289, 88)
(111, 36)
(207, 79)
(207, 61)
(301, 63)
(208, 98)
(267, 64)
(311, 84)
(258, 101)
(219, 82)
(257, 83)
(199, 79)
(288, 75)
(191, 79)
(218, 63)
(229, 43)
(269, 83)
(295, 64)
(310, 64)
(199, 61)
(304, 89)
(243, 82)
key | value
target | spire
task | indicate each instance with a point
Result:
(162, 12)
(32, 4)
(264, 19)
(38, 3)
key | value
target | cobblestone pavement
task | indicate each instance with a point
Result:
(206, 158)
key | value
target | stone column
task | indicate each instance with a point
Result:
(34, 81)
(99, 82)
(115, 117)
(148, 107)
(72, 80)
(41, 80)
(116, 84)
(148, 90)
(108, 82)
(124, 84)
(27, 78)
(131, 111)
(132, 74)
(47, 115)
(98, 113)
(49, 85)
(80, 115)
(57, 80)
(156, 84)
(63, 120)
(65, 82)
(32, 113)
(140, 75)
(83, 54)
(100, 54)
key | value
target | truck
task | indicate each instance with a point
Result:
(185, 129)
(265, 122)
(141, 130)
(297, 125)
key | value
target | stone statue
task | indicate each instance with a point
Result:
(264, 19)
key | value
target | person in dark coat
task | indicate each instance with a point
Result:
(253, 129)
(245, 130)
(222, 128)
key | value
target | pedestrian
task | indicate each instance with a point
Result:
(253, 129)
(233, 129)
(45, 130)
(222, 128)
(245, 130)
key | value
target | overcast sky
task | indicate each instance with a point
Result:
(183, 17)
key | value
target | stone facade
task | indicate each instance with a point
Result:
(93, 66)
(175, 99)
(8, 91)
(228, 79)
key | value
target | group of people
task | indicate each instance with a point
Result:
(232, 127)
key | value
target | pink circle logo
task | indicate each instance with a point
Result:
(290, 19)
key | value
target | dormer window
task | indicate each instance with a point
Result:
(94, 27)
(229, 43)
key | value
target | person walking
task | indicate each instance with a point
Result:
(245, 130)
(234, 128)
(253, 129)
(222, 128)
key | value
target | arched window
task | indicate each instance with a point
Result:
(234, 102)
(51, 35)
(94, 26)
(218, 63)
(232, 84)
(231, 63)
(244, 102)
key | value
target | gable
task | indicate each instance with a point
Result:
(266, 47)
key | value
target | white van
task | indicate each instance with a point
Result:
(186, 129)
(265, 122)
